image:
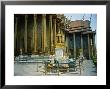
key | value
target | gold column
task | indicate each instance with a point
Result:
(35, 33)
(25, 34)
(59, 33)
(44, 42)
(63, 38)
(16, 24)
(66, 44)
(51, 33)
(54, 20)
(88, 46)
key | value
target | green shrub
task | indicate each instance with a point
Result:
(94, 60)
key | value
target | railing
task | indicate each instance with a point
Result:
(56, 67)
(60, 67)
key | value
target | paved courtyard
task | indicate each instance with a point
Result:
(37, 69)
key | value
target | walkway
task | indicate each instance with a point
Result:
(89, 68)
(32, 69)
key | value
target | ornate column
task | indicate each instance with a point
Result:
(59, 33)
(94, 46)
(25, 33)
(63, 38)
(66, 43)
(15, 40)
(54, 20)
(81, 43)
(91, 46)
(35, 33)
(74, 37)
(44, 42)
(88, 46)
(51, 32)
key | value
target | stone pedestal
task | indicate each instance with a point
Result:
(59, 53)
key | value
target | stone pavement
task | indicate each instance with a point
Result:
(34, 69)
(89, 68)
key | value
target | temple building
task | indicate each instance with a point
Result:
(81, 39)
(45, 33)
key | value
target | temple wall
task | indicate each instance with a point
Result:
(43, 33)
